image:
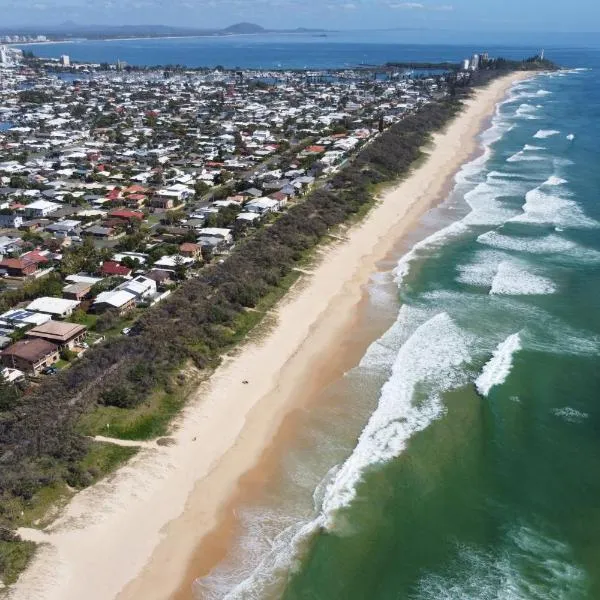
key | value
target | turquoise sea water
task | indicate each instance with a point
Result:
(477, 475)
(464, 463)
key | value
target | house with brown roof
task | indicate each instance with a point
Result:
(64, 335)
(77, 291)
(18, 267)
(190, 250)
(30, 356)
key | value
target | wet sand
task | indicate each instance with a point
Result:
(168, 516)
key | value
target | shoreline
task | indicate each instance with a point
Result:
(164, 37)
(144, 523)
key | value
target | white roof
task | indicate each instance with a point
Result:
(43, 204)
(173, 261)
(264, 203)
(53, 306)
(248, 217)
(115, 298)
(83, 279)
(20, 315)
(139, 285)
(214, 232)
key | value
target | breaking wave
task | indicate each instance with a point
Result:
(428, 364)
(553, 208)
(549, 244)
(542, 134)
(514, 279)
(498, 368)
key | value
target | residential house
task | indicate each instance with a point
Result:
(40, 209)
(110, 268)
(172, 262)
(64, 335)
(30, 356)
(18, 267)
(262, 206)
(10, 220)
(190, 250)
(66, 228)
(141, 287)
(77, 291)
(215, 237)
(120, 300)
(60, 308)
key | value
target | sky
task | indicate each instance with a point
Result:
(458, 15)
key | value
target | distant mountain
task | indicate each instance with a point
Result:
(69, 29)
(244, 28)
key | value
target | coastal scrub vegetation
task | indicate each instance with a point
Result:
(42, 442)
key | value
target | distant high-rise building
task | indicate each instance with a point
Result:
(542, 54)
(475, 62)
(485, 57)
(3, 55)
(65, 60)
(465, 64)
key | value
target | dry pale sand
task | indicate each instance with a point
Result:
(133, 535)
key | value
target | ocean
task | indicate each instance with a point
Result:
(277, 51)
(460, 458)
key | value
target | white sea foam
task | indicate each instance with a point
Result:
(525, 111)
(482, 269)
(553, 207)
(571, 137)
(543, 93)
(542, 134)
(554, 180)
(570, 414)
(549, 244)
(514, 279)
(523, 156)
(498, 368)
(540, 330)
(527, 565)
(430, 361)
(436, 240)
(486, 205)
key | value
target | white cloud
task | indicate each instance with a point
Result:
(420, 6)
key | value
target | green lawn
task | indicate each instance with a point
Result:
(14, 558)
(144, 422)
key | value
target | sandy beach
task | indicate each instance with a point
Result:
(136, 534)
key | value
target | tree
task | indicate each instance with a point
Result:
(107, 320)
(81, 258)
(200, 189)
(9, 394)
(207, 253)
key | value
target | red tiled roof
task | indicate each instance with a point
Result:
(189, 247)
(126, 214)
(17, 263)
(110, 267)
(35, 257)
(135, 189)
